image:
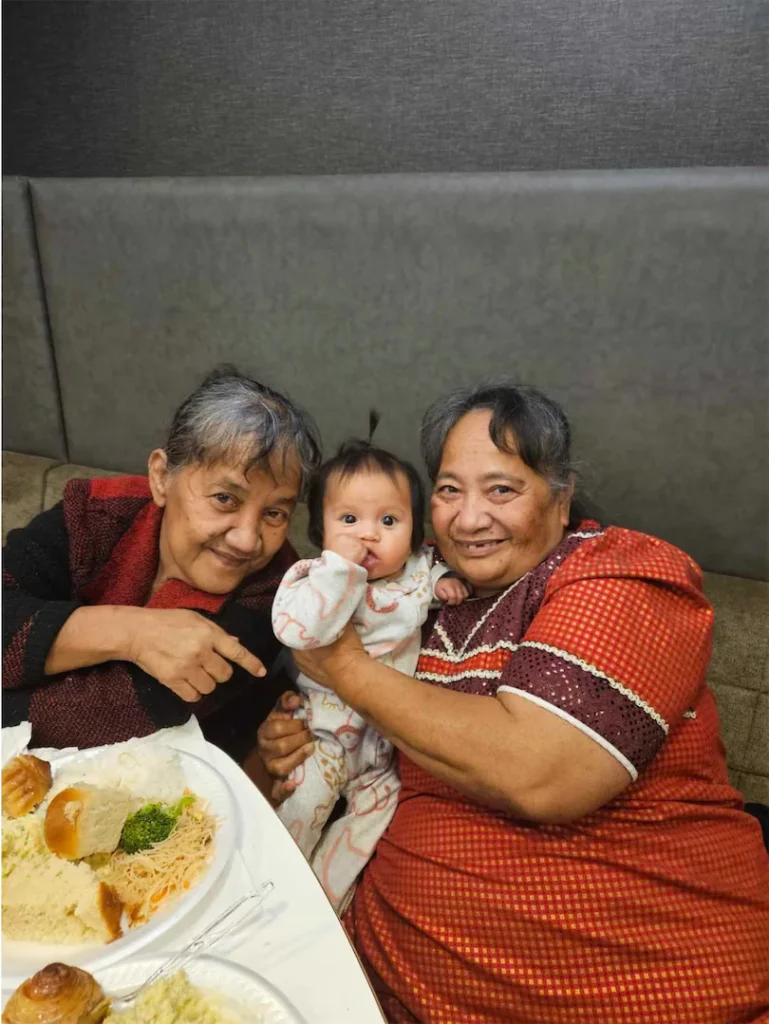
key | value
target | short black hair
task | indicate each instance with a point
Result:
(524, 421)
(357, 456)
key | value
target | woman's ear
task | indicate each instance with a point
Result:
(565, 498)
(157, 471)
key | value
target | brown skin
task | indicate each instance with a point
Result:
(494, 519)
(219, 526)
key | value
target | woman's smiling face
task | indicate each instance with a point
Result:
(221, 524)
(494, 517)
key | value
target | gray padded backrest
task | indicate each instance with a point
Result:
(31, 411)
(637, 299)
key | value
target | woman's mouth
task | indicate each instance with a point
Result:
(231, 561)
(478, 548)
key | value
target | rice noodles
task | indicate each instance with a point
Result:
(145, 880)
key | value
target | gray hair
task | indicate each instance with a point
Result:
(524, 422)
(232, 418)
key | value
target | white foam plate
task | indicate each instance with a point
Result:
(248, 994)
(22, 959)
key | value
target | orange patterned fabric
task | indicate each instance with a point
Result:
(654, 909)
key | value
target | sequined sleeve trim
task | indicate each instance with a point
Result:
(579, 725)
(580, 692)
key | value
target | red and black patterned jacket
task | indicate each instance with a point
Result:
(100, 546)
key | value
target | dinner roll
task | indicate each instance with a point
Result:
(84, 819)
(26, 780)
(57, 994)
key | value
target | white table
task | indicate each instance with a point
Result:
(296, 941)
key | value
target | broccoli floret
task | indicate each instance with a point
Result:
(151, 824)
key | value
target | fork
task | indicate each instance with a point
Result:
(202, 942)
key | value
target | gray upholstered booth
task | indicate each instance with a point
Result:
(639, 299)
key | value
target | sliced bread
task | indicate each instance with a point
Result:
(83, 820)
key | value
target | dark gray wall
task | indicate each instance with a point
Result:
(258, 87)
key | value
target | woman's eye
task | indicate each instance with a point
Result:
(277, 515)
(225, 500)
(446, 489)
(502, 489)
(388, 520)
(349, 519)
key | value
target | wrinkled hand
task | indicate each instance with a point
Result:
(187, 652)
(325, 665)
(348, 547)
(451, 590)
(284, 743)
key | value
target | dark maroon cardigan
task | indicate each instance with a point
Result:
(100, 546)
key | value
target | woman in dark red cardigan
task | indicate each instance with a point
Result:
(138, 600)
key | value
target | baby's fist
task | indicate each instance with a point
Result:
(451, 590)
(348, 547)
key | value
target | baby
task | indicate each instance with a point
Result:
(367, 513)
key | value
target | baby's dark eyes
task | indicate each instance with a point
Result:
(349, 518)
(389, 520)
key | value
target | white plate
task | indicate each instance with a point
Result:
(261, 1003)
(22, 959)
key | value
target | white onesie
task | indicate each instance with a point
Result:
(315, 601)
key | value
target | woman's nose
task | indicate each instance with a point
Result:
(245, 537)
(473, 516)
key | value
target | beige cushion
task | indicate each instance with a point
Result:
(739, 671)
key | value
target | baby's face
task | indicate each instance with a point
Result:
(375, 510)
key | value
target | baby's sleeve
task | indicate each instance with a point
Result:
(438, 569)
(316, 600)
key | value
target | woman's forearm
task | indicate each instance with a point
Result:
(91, 636)
(467, 741)
(504, 752)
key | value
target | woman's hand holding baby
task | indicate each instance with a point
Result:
(451, 590)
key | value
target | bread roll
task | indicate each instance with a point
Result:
(26, 780)
(57, 995)
(83, 820)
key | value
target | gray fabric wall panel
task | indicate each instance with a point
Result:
(213, 87)
(31, 410)
(637, 299)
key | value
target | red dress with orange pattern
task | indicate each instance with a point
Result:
(652, 910)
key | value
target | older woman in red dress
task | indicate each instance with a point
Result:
(567, 846)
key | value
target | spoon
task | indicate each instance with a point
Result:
(201, 943)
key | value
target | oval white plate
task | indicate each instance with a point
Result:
(257, 1000)
(22, 959)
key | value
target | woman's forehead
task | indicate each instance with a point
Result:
(278, 473)
(469, 444)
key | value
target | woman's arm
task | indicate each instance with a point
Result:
(38, 595)
(46, 631)
(507, 753)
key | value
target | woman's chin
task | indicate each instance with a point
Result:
(220, 582)
(486, 573)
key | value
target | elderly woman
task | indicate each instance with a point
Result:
(567, 846)
(136, 600)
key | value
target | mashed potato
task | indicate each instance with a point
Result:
(45, 898)
(175, 1000)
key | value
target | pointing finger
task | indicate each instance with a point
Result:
(232, 649)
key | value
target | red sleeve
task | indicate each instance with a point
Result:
(620, 644)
